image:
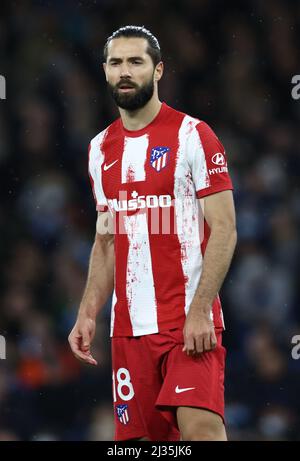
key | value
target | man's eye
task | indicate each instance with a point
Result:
(137, 62)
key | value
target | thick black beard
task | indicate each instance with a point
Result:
(134, 101)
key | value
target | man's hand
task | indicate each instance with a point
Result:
(81, 337)
(199, 332)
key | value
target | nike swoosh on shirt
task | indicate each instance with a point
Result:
(178, 390)
(106, 167)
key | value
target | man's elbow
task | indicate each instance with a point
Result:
(233, 235)
(104, 240)
(227, 228)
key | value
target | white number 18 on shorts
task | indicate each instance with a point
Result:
(122, 380)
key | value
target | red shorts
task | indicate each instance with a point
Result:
(152, 376)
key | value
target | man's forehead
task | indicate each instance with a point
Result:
(123, 46)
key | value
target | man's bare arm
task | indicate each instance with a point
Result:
(220, 216)
(100, 280)
(99, 285)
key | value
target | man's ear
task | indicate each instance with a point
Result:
(104, 68)
(159, 70)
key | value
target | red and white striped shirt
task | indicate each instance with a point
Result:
(151, 180)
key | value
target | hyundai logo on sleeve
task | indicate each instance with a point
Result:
(218, 159)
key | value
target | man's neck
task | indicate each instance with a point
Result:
(138, 119)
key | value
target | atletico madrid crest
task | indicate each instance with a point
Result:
(122, 413)
(159, 157)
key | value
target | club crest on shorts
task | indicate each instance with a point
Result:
(159, 157)
(122, 413)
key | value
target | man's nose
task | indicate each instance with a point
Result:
(125, 72)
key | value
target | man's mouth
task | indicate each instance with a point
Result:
(126, 87)
(126, 90)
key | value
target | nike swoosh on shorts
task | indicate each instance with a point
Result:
(178, 390)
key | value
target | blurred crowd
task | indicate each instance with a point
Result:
(228, 63)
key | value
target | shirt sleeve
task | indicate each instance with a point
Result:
(96, 159)
(208, 162)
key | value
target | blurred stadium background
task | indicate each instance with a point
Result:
(228, 63)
